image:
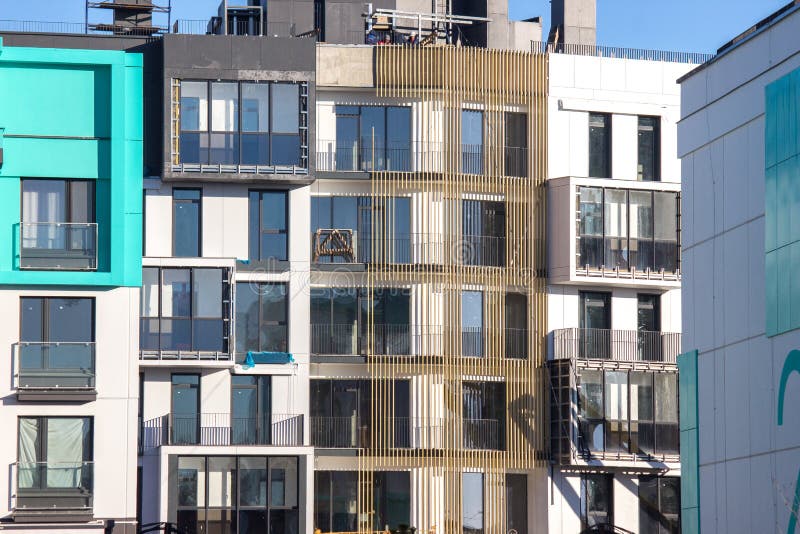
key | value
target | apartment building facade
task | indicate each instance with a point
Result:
(614, 278)
(737, 140)
(70, 272)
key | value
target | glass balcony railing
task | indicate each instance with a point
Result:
(54, 485)
(54, 365)
(58, 246)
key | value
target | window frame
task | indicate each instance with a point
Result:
(655, 128)
(362, 164)
(261, 322)
(608, 481)
(45, 300)
(238, 132)
(255, 245)
(609, 149)
(199, 202)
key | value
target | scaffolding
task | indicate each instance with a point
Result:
(129, 17)
(429, 28)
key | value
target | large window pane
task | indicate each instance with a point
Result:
(591, 227)
(642, 429)
(247, 317)
(194, 106)
(641, 229)
(472, 323)
(592, 413)
(207, 293)
(600, 145)
(392, 499)
(186, 217)
(285, 108)
(398, 138)
(175, 293)
(221, 481)
(666, 412)
(649, 149)
(224, 107)
(285, 149)
(472, 503)
(516, 144)
(191, 481)
(150, 291)
(70, 320)
(268, 225)
(471, 142)
(253, 481)
(255, 107)
(283, 482)
(373, 135)
(615, 214)
(616, 408)
(597, 501)
(665, 230)
(517, 503)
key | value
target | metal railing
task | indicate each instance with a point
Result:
(58, 246)
(54, 485)
(620, 52)
(54, 365)
(222, 429)
(36, 26)
(359, 155)
(392, 432)
(483, 434)
(516, 343)
(617, 345)
(183, 338)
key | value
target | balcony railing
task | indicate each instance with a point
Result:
(620, 52)
(353, 339)
(58, 246)
(52, 486)
(614, 438)
(413, 156)
(222, 429)
(392, 432)
(183, 338)
(617, 345)
(54, 365)
(483, 434)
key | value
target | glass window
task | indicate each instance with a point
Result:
(285, 108)
(659, 505)
(261, 317)
(592, 412)
(484, 415)
(194, 106)
(665, 231)
(595, 324)
(472, 503)
(600, 145)
(253, 483)
(483, 232)
(666, 412)
(369, 138)
(392, 499)
(517, 503)
(472, 323)
(641, 229)
(516, 321)
(615, 214)
(255, 107)
(224, 107)
(185, 411)
(516, 144)
(641, 398)
(221, 473)
(54, 453)
(649, 169)
(471, 142)
(190, 317)
(616, 405)
(398, 138)
(591, 227)
(186, 220)
(268, 225)
(597, 500)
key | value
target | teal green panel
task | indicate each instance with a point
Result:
(54, 158)
(771, 125)
(784, 289)
(690, 520)
(689, 468)
(687, 382)
(690, 472)
(770, 209)
(783, 194)
(42, 109)
(782, 204)
(794, 281)
(771, 272)
(94, 98)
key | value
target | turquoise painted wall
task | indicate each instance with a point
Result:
(690, 481)
(74, 114)
(782, 204)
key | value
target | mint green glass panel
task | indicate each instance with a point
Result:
(690, 473)
(782, 204)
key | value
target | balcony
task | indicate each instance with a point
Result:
(352, 339)
(181, 339)
(58, 246)
(53, 491)
(616, 345)
(392, 432)
(483, 434)
(55, 371)
(613, 231)
(413, 156)
(222, 429)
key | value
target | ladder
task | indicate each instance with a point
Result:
(175, 121)
(304, 141)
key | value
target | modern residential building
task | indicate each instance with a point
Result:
(70, 271)
(433, 285)
(614, 286)
(738, 142)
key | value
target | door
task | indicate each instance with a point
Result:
(185, 425)
(251, 410)
(648, 335)
(595, 325)
(345, 422)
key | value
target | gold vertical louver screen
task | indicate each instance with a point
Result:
(440, 82)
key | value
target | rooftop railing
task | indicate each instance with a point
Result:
(616, 345)
(620, 52)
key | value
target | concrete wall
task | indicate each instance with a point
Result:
(748, 464)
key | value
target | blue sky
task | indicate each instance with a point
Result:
(686, 25)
